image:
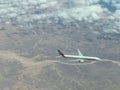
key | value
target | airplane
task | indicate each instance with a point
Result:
(78, 58)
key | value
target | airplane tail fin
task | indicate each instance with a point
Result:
(60, 53)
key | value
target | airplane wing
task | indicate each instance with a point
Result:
(77, 60)
(79, 53)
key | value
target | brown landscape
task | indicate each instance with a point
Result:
(28, 60)
(31, 32)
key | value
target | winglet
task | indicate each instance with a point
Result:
(60, 53)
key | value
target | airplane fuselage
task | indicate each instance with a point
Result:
(82, 57)
(78, 58)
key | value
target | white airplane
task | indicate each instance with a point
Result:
(79, 57)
